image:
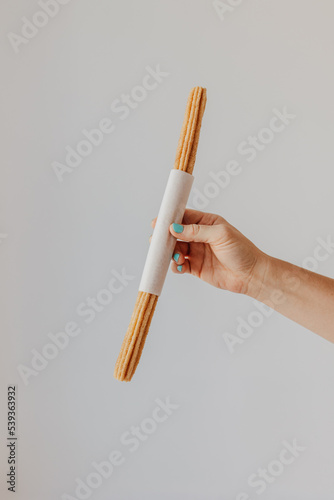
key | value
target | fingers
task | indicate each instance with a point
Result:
(182, 249)
(179, 268)
(197, 217)
(180, 264)
(178, 258)
(196, 232)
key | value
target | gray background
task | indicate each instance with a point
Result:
(64, 239)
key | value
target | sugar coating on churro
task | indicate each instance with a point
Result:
(189, 137)
(142, 315)
(135, 337)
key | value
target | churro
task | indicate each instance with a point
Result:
(146, 302)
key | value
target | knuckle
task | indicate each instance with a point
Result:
(225, 231)
(195, 229)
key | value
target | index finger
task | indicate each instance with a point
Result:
(197, 217)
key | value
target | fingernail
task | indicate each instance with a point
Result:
(178, 228)
(176, 257)
(179, 268)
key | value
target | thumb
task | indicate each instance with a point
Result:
(195, 232)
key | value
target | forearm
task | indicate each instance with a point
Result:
(298, 294)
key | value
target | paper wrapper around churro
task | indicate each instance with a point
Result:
(162, 244)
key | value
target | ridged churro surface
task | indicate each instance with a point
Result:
(189, 137)
(135, 336)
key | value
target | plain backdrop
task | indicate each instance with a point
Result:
(60, 242)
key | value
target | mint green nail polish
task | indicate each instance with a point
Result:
(176, 257)
(179, 268)
(178, 228)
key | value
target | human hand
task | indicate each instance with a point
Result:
(212, 249)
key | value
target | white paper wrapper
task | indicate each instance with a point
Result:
(162, 245)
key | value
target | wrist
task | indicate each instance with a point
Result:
(259, 283)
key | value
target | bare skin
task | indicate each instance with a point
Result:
(213, 250)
